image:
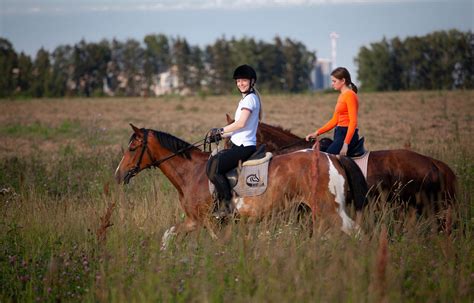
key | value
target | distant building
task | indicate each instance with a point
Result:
(321, 74)
(166, 82)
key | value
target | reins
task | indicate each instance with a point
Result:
(156, 163)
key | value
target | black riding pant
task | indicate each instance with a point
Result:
(223, 162)
(339, 136)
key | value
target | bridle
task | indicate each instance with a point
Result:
(155, 163)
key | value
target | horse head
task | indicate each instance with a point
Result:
(135, 158)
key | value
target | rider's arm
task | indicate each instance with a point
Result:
(329, 125)
(352, 108)
(236, 125)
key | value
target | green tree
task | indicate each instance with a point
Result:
(219, 66)
(24, 75)
(63, 70)
(271, 66)
(157, 54)
(182, 62)
(197, 73)
(134, 81)
(440, 60)
(41, 74)
(299, 62)
(90, 66)
(8, 62)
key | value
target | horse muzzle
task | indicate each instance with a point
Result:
(125, 179)
(130, 174)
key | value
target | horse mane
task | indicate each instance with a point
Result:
(172, 143)
(278, 130)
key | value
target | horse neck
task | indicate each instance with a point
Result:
(276, 137)
(178, 169)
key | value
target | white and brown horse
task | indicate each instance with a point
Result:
(425, 183)
(310, 177)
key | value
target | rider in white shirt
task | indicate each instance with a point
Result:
(243, 137)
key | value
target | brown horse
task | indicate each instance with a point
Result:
(310, 177)
(414, 178)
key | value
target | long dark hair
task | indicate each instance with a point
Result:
(342, 73)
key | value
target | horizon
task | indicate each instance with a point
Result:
(29, 25)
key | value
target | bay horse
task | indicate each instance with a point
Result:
(412, 177)
(310, 177)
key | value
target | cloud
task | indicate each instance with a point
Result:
(62, 6)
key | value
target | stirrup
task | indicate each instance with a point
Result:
(223, 211)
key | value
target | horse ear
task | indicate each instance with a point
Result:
(136, 130)
(229, 119)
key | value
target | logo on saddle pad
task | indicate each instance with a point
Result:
(252, 180)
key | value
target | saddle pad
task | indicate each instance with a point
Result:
(362, 162)
(253, 180)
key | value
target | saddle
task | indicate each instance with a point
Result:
(358, 153)
(354, 152)
(251, 177)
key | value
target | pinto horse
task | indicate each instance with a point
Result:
(414, 178)
(310, 177)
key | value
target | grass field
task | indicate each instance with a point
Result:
(57, 194)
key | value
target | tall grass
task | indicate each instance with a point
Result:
(68, 233)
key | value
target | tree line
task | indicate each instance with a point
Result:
(440, 60)
(132, 68)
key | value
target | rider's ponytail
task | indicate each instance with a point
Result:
(354, 87)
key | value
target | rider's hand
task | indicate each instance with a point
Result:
(344, 148)
(311, 137)
(215, 135)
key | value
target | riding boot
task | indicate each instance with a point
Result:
(223, 210)
(224, 197)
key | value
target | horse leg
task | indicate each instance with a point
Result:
(184, 228)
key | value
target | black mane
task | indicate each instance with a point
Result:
(174, 144)
(170, 142)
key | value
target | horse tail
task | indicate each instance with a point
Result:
(448, 180)
(357, 183)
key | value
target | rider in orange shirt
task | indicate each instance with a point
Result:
(346, 134)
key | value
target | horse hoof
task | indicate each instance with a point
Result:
(221, 214)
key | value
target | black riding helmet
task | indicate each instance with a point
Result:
(245, 72)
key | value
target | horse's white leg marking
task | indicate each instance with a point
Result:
(336, 187)
(168, 235)
(117, 170)
(239, 203)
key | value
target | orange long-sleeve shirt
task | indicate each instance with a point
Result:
(345, 114)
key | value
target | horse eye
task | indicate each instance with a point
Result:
(133, 147)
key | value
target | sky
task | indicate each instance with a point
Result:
(33, 24)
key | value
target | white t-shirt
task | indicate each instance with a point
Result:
(247, 135)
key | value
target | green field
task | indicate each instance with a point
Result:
(57, 194)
